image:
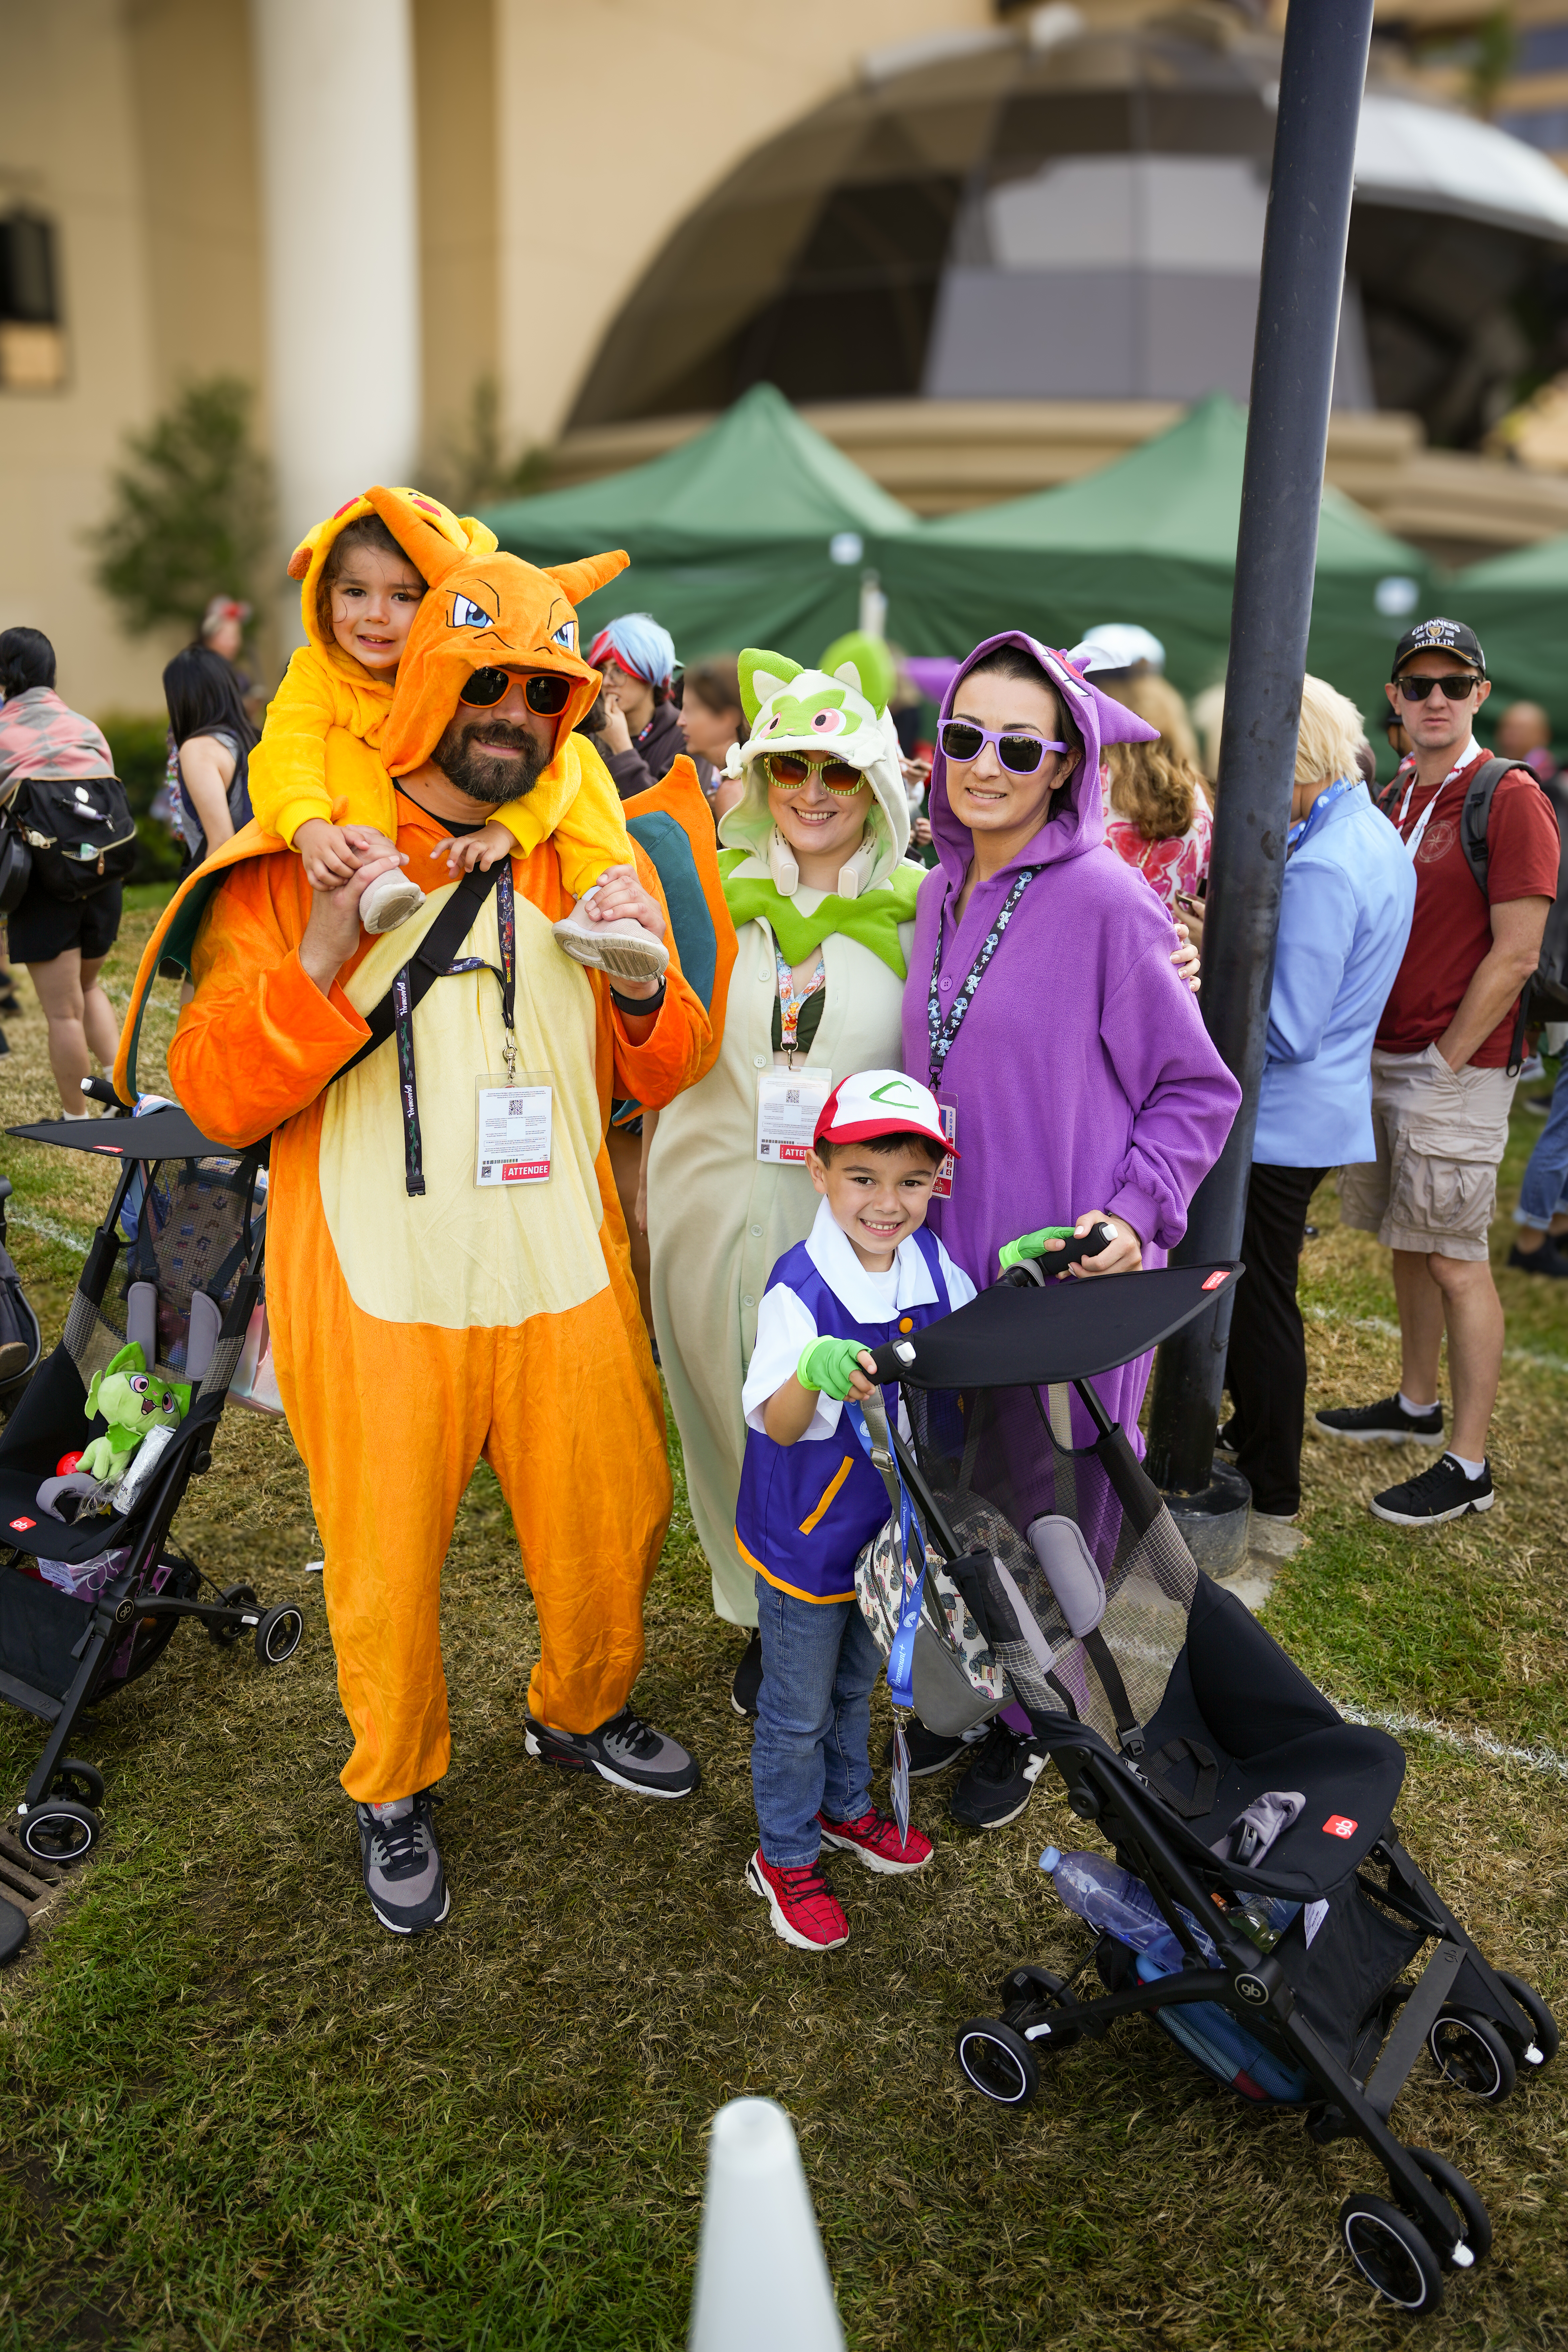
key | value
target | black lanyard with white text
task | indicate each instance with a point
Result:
(402, 1024)
(943, 1032)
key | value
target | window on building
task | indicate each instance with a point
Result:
(1542, 48)
(1545, 126)
(32, 338)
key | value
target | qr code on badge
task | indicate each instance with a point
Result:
(791, 1097)
(515, 1107)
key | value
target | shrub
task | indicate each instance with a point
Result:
(191, 516)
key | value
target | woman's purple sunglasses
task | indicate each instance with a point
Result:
(1020, 755)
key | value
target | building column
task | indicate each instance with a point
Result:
(336, 137)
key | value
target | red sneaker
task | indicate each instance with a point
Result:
(805, 1913)
(875, 1838)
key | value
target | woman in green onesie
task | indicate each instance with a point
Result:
(823, 904)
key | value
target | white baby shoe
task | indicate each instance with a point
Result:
(390, 900)
(623, 949)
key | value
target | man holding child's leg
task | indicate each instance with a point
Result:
(810, 1499)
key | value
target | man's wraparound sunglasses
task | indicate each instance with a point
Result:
(791, 769)
(546, 693)
(1020, 755)
(1455, 684)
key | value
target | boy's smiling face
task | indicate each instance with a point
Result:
(876, 1197)
(374, 599)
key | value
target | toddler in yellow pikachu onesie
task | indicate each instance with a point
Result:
(359, 591)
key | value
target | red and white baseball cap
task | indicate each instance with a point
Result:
(879, 1102)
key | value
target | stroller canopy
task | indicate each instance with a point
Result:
(1069, 1331)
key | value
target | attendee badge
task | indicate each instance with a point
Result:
(789, 1103)
(943, 1187)
(513, 1128)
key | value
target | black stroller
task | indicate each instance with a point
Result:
(89, 1602)
(1169, 1712)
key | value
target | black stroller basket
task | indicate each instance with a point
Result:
(1168, 1711)
(89, 1604)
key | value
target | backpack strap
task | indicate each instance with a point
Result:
(430, 960)
(1476, 815)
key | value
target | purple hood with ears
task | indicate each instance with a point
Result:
(1080, 824)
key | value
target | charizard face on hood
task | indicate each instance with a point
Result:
(1079, 822)
(484, 610)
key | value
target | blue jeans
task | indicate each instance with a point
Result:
(1543, 1192)
(811, 1751)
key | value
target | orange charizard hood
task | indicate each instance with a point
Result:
(462, 535)
(485, 610)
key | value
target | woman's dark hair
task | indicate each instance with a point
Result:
(365, 530)
(1012, 661)
(26, 659)
(202, 695)
(716, 682)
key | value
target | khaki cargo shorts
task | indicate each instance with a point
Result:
(1440, 1135)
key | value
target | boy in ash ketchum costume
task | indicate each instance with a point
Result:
(415, 1332)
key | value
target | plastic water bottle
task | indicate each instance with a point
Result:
(1263, 1918)
(1112, 1900)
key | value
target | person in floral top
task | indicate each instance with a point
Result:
(1156, 811)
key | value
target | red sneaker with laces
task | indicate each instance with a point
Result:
(805, 1913)
(875, 1838)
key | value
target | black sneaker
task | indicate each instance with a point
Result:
(1000, 1782)
(1545, 1258)
(1226, 1443)
(933, 1751)
(1384, 1423)
(748, 1679)
(625, 1750)
(401, 1864)
(1447, 1491)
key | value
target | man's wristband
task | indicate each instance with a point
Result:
(638, 1008)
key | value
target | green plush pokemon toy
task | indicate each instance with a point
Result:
(133, 1406)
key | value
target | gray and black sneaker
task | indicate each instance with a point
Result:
(932, 1751)
(625, 1750)
(1383, 1423)
(401, 1864)
(1000, 1782)
(1447, 1491)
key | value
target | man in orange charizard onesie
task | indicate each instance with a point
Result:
(433, 1295)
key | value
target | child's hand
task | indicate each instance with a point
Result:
(367, 844)
(467, 850)
(837, 1367)
(329, 855)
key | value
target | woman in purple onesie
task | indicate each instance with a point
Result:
(1042, 1007)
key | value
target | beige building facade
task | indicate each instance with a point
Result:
(171, 150)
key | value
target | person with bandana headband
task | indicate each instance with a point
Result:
(637, 724)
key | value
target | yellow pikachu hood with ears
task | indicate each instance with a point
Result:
(462, 533)
(485, 610)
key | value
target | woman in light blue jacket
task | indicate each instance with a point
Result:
(1344, 917)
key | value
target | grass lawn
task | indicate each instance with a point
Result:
(236, 2113)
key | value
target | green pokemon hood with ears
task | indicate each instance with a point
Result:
(829, 717)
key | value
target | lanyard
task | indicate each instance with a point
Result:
(403, 1026)
(1421, 822)
(943, 1032)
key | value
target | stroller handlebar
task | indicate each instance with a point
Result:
(1031, 1271)
(102, 1091)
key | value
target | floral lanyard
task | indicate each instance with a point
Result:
(944, 1033)
(791, 997)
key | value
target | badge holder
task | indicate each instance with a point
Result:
(789, 1103)
(947, 1110)
(514, 1123)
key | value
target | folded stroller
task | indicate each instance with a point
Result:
(1170, 1714)
(89, 1602)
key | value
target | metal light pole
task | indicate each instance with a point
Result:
(1322, 76)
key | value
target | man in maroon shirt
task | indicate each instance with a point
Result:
(1440, 1088)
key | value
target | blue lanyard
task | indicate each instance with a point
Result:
(1302, 827)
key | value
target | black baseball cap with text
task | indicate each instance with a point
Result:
(1440, 637)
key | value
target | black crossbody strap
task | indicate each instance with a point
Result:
(430, 958)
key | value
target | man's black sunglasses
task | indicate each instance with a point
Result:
(1455, 684)
(545, 694)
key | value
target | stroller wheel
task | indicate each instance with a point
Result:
(1475, 2221)
(234, 1596)
(60, 1831)
(1391, 2254)
(1540, 2016)
(279, 1634)
(83, 1783)
(1473, 2055)
(997, 2061)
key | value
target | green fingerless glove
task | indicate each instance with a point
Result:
(827, 1364)
(1032, 1244)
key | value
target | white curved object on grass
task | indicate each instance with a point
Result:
(762, 2281)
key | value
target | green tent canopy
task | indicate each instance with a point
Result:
(1518, 606)
(1151, 539)
(755, 533)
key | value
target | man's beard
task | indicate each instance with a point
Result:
(461, 759)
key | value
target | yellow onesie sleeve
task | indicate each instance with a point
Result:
(288, 766)
(577, 805)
